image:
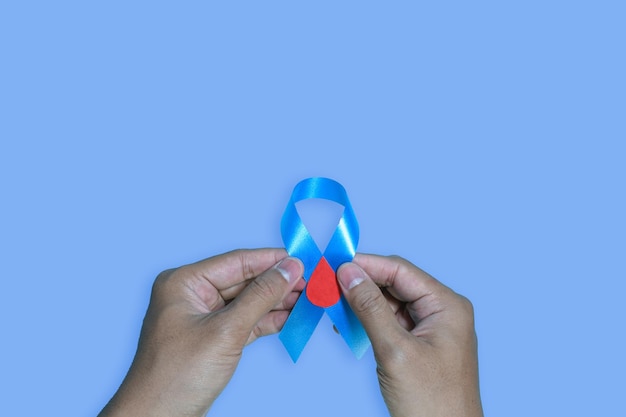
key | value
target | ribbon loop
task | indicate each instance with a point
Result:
(320, 294)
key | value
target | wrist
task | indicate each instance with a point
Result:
(140, 396)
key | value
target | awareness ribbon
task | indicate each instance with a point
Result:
(322, 293)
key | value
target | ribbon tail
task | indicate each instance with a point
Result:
(299, 326)
(349, 327)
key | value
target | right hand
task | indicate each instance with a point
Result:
(422, 334)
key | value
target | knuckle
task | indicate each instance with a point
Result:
(164, 275)
(247, 269)
(396, 258)
(401, 266)
(162, 279)
(467, 305)
(167, 281)
(399, 262)
(464, 313)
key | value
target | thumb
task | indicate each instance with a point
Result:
(369, 305)
(264, 293)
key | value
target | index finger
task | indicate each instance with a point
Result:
(233, 269)
(403, 280)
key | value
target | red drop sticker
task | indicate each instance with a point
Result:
(322, 288)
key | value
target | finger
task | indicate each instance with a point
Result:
(424, 295)
(232, 292)
(398, 308)
(215, 300)
(288, 302)
(394, 303)
(231, 270)
(271, 323)
(404, 280)
(264, 293)
(369, 305)
(211, 283)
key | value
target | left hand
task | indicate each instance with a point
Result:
(199, 320)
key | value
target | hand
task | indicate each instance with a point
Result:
(199, 320)
(422, 334)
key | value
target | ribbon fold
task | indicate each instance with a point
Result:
(324, 295)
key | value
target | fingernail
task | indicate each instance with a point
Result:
(350, 275)
(290, 268)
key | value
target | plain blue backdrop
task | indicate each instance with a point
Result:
(484, 141)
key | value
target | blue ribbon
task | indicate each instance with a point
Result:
(305, 316)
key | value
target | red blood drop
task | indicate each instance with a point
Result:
(322, 288)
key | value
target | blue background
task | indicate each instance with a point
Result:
(484, 141)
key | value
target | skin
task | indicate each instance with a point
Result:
(202, 315)
(422, 334)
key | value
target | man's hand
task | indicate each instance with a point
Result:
(422, 334)
(199, 320)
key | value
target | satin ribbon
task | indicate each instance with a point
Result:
(311, 305)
